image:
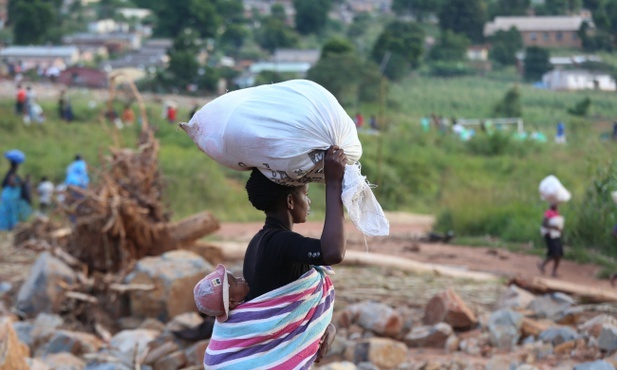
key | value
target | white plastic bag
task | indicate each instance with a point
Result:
(283, 129)
(552, 191)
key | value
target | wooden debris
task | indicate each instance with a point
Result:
(539, 285)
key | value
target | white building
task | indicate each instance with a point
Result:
(41, 56)
(569, 80)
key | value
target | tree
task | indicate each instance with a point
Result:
(336, 46)
(558, 7)
(450, 47)
(418, 8)
(311, 15)
(234, 35)
(274, 34)
(510, 104)
(536, 63)
(183, 65)
(510, 7)
(505, 45)
(32, 21)
(403, 42)
(463, 16)
(174, 16)
(581, 108)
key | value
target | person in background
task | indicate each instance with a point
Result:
(77, 173)
(20, 101)
(358, 120)
(45, 191)
(30, 114)
(560, 136)
(373, 122)
(15, 201)
(425, 123)
(128, 116)
(552, 227)
(614, 136)
(171, 113)
(62, 105)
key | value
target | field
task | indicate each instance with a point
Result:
(484, 187)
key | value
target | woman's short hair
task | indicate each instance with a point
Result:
(264, 194)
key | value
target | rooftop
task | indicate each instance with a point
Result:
(535, 24)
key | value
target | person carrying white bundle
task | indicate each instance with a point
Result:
(284, 130)
(553, 192)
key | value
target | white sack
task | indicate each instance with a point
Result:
(614, 196)
(283, 129)
(552, 191)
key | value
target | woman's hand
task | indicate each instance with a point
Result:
(334, 164)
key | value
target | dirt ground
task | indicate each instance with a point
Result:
(402, 241)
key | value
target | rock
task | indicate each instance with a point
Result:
(607, 341)
(156, 351)
(23, 329)
(345, 365)
(124, 344)
(339, 345)
(110, 365)
(504, 328)
(533, 327)
(151, 324)
(384, 353)
(515, 298)
(182, 321)
(551, 306)
(45, 325)
(558, 335)
(63, 361)
(366, 366)
(470, 346)
(36, 364)
(543, 350)
(211, 253)
(70, 341)
(527, 367)
(594, 326)
(596, 365)
(195, 353)
(377, 317)
(565, 348)
(172, 361)
(173, 274)
(500, 363)
(450, 308)
(429, 336)
(42, 291)
(13, 353)
(452, 344)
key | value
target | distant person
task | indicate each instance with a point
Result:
(193, 111)
(425, 123)
(62, 105)
(171, 113)
(359, 120)
(614, 136)
(30, 105)
(373, 122)
(613, 276)
(552, 227)
(560, 136)
(68, 110)
(77, 173)
(45, 192)
(128, 116)
(15, 201)
(20, 101)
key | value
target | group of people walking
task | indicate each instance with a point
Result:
(16, 201)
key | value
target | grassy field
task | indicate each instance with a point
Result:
(487, 186)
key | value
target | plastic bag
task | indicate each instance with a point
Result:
(552, 191)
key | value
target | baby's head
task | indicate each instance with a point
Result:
(219, 292)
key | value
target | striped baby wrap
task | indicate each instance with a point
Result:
(280, 329)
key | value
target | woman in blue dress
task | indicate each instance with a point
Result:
(15, 197)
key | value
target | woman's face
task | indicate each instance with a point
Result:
(302, 204)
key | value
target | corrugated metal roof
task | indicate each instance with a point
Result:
(537, 24)
(39, 51)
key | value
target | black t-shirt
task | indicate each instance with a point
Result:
(277, 256)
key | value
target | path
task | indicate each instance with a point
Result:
(401, 242)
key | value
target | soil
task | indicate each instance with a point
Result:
(405, 230)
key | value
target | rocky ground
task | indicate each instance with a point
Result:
(386, 318)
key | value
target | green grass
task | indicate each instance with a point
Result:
(487, 186)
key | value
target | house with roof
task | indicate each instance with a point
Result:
(577, 79)
(553, 31)
(153, 54)
(288, 61)
(44, 57)
(83, 77)
(115, 42)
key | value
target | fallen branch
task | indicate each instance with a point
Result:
(586, 293)
(123, 288)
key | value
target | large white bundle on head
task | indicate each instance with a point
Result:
(552, 191)
(283, 129)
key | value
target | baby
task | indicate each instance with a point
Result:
(219, 292)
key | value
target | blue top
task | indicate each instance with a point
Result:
(77, 174)
(561, 128)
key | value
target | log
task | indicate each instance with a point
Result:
(192, 228)
(123, 288)
(586, 293)
(382, 260)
